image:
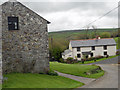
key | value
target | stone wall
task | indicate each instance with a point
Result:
(24, 50)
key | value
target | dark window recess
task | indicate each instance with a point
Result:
(87, 56)
(105, 47)
(78, 55)
(13, 23)
(105, 53)
(93, 47)
(91, 54)
(78, 48)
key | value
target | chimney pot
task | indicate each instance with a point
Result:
(98, 37)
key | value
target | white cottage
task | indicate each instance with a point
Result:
(90, 48)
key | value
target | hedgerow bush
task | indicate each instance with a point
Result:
(118, 53)
(61, 60)
(53, 73)
(70, 60)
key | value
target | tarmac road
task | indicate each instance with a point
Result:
(109, 80)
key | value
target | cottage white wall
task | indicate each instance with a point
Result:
(74, 50)
(70, 47)
(98, 51)
(82, 49)
(111, 50)
(67, 55)
(85, 49)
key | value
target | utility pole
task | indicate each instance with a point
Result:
(51, 53)
(51, 42)
(87, 32)
(95, 30)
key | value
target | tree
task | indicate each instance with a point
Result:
(105, 35)
(56, 53)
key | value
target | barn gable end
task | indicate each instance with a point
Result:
(26, 48)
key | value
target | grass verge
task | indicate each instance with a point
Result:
(76, 69)
(19, 80)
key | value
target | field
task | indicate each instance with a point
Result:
(76, 69)
(19, 80)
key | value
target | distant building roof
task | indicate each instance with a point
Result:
(92, 42)
(66, 52)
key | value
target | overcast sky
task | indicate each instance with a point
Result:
(69, 14)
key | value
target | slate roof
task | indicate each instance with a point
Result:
(92, 42)
(66, 52)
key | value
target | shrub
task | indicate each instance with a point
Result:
(118, 53)
(90, 59)
(106, 56)
(51, 72)
(61, 60)
(98, 57)
(70, 60)
(93, 71)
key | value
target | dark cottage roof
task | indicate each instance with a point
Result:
(93, 42)
(66, 52)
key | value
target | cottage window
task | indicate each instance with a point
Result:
(105, 53)
(78, 48)
(91, 54)
(105, 47)
(78, 55)
(13, 23)
(93, 47)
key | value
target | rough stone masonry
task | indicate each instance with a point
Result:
(24, 49)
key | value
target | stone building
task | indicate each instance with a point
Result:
(79, 49)
(24, 40)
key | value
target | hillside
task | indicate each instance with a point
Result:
(62, 38)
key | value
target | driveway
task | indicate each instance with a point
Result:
(77, 78)
(109, 80)
(108, 61)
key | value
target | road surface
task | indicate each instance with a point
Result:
(108, 61)
(109, 80)
(77, 78)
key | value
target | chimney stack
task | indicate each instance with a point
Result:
(98, 37)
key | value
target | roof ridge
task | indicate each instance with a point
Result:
(90, 39)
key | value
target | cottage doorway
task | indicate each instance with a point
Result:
(86, 56)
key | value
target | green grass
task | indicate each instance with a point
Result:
(76, 69)
(19, 80)
(88, 62)
(117, 39)
(0, 86)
